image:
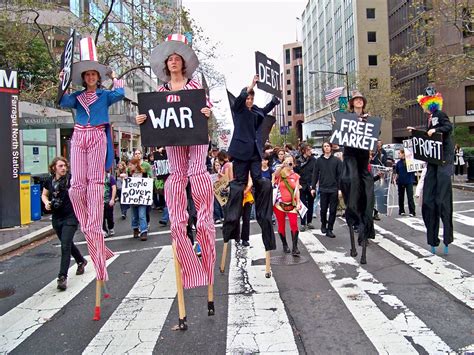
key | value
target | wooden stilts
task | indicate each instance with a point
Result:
(210, 300)
(98, 287)
(268, 271)
(179, 286)
(223, 259)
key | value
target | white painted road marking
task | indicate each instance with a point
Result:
(136, 324)
(452, 278)
(23, 320)
(388, 336)
(460, 240)
(257, 320)
(460, 218)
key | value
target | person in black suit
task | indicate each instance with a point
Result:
(246, 150)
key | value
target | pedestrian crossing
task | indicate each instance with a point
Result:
(257, 320)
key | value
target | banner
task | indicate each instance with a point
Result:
(269, 72)
(429, 149)
(137, 191)
(66, 66)
(10, 148)
(220, 187)
(382, 187)
(412, 164)
(174, 118)
(349, 131)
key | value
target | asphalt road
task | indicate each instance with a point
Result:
(404, 300)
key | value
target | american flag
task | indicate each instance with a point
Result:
(333, 93)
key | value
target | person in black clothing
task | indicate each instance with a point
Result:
(246, 150)
(405, 182)
(437, 188)
(357, 185)
(55, 197)
(304, 168)
(327, 172)
(380, 155)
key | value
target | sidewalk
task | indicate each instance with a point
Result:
(16, 237)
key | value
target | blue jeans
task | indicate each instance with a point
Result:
(139, 217)
(218, 213)
(165, 217)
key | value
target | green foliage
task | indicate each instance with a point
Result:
(311, 141)
(277, 139)
(462, 136)
(468, 152)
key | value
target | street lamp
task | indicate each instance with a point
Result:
(335, 73)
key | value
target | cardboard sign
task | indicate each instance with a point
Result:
(174, 118)
(137, 191)
(66, 66)
(220, 185)
(429, 149)
(162, 167)
(349, 131)
(269, 72)
(412, 163)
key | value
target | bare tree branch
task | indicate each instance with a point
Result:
(99, 29)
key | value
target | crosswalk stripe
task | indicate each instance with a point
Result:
(388, 336)
(460, 240)
(452, 278)
(23, 320)
(257, 320)
(460, 218)
(135, 325)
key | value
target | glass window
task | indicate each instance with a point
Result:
(372, 36)
(297, 53)
(287, 56)
(75, 7)
(288, 82)
(370, 13)
(288, 102)
(289, 113)
(287, 71)
(373, 84)
(469, 99)
(288, 92)
(372, 60)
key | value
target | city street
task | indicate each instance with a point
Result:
(405, 300)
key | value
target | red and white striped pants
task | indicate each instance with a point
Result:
(184, 162)
(88, 151)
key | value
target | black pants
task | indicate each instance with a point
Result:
(357, 186)
(245, 232)
(65, 228)
(459, 169)
(308, 200)
(263, 201)
(328, 199)
(401, 198)
(108, 217)
(438, 203)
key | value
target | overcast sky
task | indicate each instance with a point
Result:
(243, 27)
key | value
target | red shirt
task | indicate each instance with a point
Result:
(294, 181)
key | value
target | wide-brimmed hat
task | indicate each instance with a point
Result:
(88, 54)
(354, 95)
(173, 44)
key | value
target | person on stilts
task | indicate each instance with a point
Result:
(92, 153)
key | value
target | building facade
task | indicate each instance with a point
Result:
(293, 95)
(347, 37)
(404, 16)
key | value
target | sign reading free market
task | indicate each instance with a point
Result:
(174, 118)
(349, 131)
(269, 72)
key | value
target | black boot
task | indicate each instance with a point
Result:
(286, 249)
(294, 237)
(353, 248)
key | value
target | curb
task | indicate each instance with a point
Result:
(464, 187)
(26, 239)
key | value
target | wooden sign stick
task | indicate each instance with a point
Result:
(223, 259)
(179, 286)
(268, 271)
(98, 287)
(210, 300)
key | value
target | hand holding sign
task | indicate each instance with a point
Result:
(268, 78)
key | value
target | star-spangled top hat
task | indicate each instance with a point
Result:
(173, 44)
(88, 55)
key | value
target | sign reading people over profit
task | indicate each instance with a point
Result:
(174, 118)
(66, 66)
(412, 163)
(269, 72)
(429, 149)
(349, 131)
(137, 191)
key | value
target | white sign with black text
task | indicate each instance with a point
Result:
(137, 191)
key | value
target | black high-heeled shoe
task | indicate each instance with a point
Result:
(210, 308)
(183, 325)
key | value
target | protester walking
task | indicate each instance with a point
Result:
(304, 168)
(404, 180)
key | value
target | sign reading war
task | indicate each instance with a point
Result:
(174, 118)
(429, 149)
(350, 132)
(66, 66)
(137, 191)
(269, 72)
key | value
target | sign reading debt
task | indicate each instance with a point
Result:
(137, 191)
(269, 72)
(174, 118)
(66, 66)
(429, 149)
(349, 131)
